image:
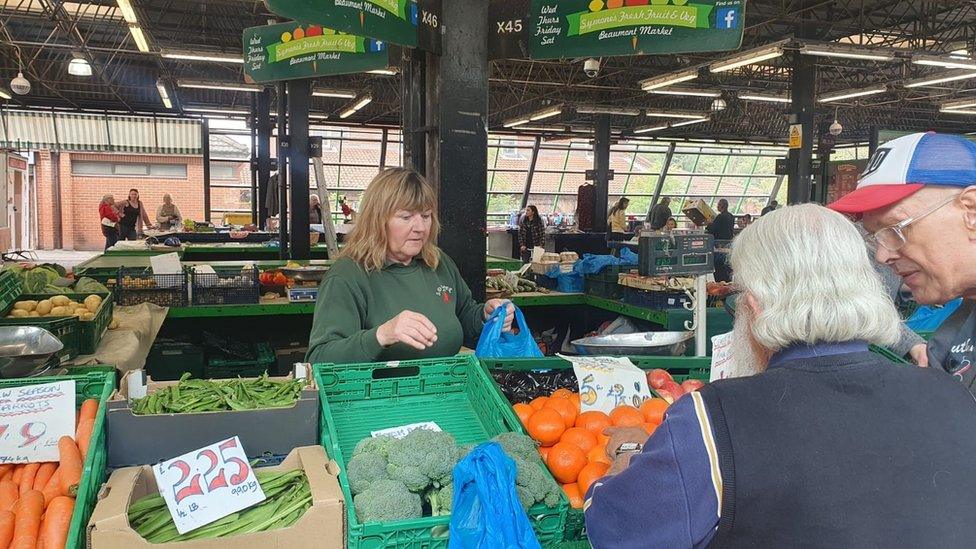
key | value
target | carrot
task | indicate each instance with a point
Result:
(88, 410)
(18, 472)
(71, 465)
(9, 494)
(57, 519)
(53, 488)
(5, 470)
(44, 475)
(6, 528)
(27, 520)
(7, 474)
(84, 433)
(27, 479)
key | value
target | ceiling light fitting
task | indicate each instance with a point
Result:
(674, 114)
(748, 58)
(933, 80)
(847, 53)
(689, 92)
(668, 80)
(766, 98)
(850, 94)
(947, 62)
(597, 109)
(211, 57)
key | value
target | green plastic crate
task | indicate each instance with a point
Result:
(453, 392)
(223, 367)
(92, 331)
(78, 337)
(9, 288)
(887, 353)
(91, 384)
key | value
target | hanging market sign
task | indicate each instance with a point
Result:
(288, 51)
(592, 28)
(413, 23)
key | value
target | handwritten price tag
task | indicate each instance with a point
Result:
(404, 430)
(722, 361)
(208, 484)
(607, 382)
(32, 420)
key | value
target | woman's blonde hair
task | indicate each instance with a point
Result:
(391, 190)
(108, 199)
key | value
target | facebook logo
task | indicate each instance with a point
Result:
(727, 18)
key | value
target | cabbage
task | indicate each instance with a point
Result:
(38, 278)
(87, 285)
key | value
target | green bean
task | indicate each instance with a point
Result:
(197, 395)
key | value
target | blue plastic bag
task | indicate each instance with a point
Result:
(494, 343)
(928, 319)
(571, 282)
(628, 256)
(486, 511)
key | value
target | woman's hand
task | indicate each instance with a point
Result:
(493, 304)
(919, 354)
(522, 248)
(410, 328)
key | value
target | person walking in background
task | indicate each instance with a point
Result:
(168, 215)
(314, 210)
(134, 217)
(531, 232)
(617, 219)
(109, 220)
(671, 224)
(744, 221)
(723, 226)
(661, 213)
(770, 208)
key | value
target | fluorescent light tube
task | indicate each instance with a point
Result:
(673, 114)
(767, 98)
(850, 94)
(686, 92)
(668, 80)
(748, 58)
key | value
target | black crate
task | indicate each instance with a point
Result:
(135, 286)
(544, 281)
(655, 300)
(226, 287)
(168, 360)
(222, 366)
(602, 287)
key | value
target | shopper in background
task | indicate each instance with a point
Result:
(744, 221)
(917, 200)
(723, 226)
(822, 443)
(314, 210)
(617, 220)
(393, 294)
(770, 208)
(109, 220)
(531, 232)
(134, 217)
(661, 213)
(168, 215)
(671, 224)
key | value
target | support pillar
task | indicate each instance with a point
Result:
(530, 175)
(282, 172)
(668, 156)
(601, 173)
(205, 143)
(457, 152)
(263, 122)
(414, 118)
(872, 140)
(803, 92)
(253, 127)
(298, 99)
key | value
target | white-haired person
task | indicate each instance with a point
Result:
(393, 294)
(820, 443)
(168, 215)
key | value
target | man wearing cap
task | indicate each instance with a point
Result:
(917, 201)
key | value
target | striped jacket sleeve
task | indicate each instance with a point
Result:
(670, 495)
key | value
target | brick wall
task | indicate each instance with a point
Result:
(80, 195)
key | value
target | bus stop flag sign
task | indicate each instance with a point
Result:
(591, 28)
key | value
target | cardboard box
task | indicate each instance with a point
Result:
(135, 439)
(699, 212)
(322, 525)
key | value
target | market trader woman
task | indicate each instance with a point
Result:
(393, 294)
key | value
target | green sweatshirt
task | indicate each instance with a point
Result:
(353, 304)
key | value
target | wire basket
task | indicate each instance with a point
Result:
(135, 286)
(226, 287)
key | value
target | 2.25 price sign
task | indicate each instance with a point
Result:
(208, 484)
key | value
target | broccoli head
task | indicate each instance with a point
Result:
(441, 500)
(517, 445)
(364, 469)
(374, 445)
(534, 485)
(387, 501)
(423, 458)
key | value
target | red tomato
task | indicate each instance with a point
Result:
(657, 378)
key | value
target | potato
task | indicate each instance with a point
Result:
(87, 317)
(60, 300)
(61, 311)
(79, 311)
(19, 313)
(93, 302)
(28, 306)
(73, 304)
(114, 325)
(33, 314)
(44, 307)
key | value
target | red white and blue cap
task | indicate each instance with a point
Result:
(900, 167)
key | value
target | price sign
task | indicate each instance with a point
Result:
(32, 420)
(208, 484)
(607, 382)
(721, 357)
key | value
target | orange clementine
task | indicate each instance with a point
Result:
(593, 421)
(566, 409)
(572, 492)
(523, 411)
(546, 426)
(579, 436)
(538, 402)
(544, 453)
(576, 400)
(561, 393)
(589, 474)
(650, 427)
(565, 462)
(602, 440)
(653, 410)
(626, 416)
(598, 455)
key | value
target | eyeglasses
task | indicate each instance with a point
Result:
(893, 237)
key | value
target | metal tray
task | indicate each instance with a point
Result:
(642, 343)
(25, 350)
(305, 274)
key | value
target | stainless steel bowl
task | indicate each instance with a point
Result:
(305, 274)
(25, 350)
(639, 344)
